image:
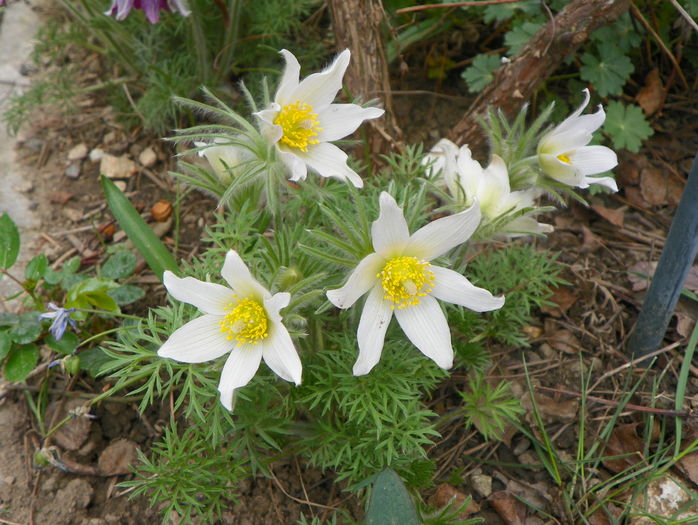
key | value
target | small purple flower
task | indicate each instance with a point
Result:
(151, 8)
(61, 318)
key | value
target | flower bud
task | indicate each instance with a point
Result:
(71, 364)
(289, 277)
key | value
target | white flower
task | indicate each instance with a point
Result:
(400, 279)
(302, 121)
(564, 155)
(243, 320)
(468, 183)
(222, 158)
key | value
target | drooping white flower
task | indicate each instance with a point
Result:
(400, 279)
(468, 182)
(302, 121)
(563, 153)
(222, 158)
(242, 319)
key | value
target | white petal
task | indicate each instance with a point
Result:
(197, 341)
(280, 355)
(373, 324)
(289, 79)
(441, 235)
(470, 173)
(609, 182)
(210, 298)
(238, 276)
(389, 231)
(339, 120)
(295, 165)
(594, 159)
(425, 325)
(571, 120)
(452, 287)
(442, 161)
(561, 171)
(239, 369)
(272, 305)
(320, 89)
(330, 161)
(361, 279)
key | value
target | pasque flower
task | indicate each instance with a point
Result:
(302, 121)
(242, 319)
(400, 280)
(222, 157)
(563, 153)
(151, 8)
(468, 182)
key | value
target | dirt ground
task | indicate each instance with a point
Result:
(602, 249)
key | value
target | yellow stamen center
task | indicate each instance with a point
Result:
(245, 322)
(564, 158)
(405, 280)
(300, 125)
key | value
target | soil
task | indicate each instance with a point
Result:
(591, 318)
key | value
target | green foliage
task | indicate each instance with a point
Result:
(20, 362)
(607, 69)
(626, 125)
(119, 265)
(390, 503)
(481, 72)
(520, 34)
(524, 276)
(190, 477)
(144, 239)
(9, 241)
(489, 407)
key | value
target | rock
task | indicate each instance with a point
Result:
(96, 154)
(447, 494)
(117, 167)
(75, 432)
(73, 214)
(79, 152)
(664, 498)
(118, 457)
(26, 186)
(482, 484)
(148, 157)
(73, 170)
(120, 184)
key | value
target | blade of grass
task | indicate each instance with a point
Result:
(156, 255)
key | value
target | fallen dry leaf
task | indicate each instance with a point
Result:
(625, 442)
(510, 509)
(634, 196)
(73, 434)
(614, 216)
(60, 197)
(564, 341)
(590, 242)
(651, 96)
(640, 274)
(562, 298)
(446, 493)
(653, 186)
(684, 324)
(118, 457)
(688, 465)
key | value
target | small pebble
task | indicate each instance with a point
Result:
(79, 152)
(72, 171)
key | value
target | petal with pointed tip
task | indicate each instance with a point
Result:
(289, 79)
(373, 324)
(330, 161)
(361, 279)
(319, 89)
(239, 369)
(425, 325)
(454, 288)
(197, 341)
(280, 355)
(441, 235)
(238, 276)
(389, 231)
(210, 298)
(339, 120)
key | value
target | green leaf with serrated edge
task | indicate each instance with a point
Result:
(94, 361)
(5, 343)
(607, 71)
(156, 255)
(498, 13)
(9, 242)
(390, 502)
(626, 126)
(519, 36)
(480, 73)
(28, 329)
(36, 268)
(65, 345)
(621, 34)
(20, 362)
(120, 265)
(126, 294)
